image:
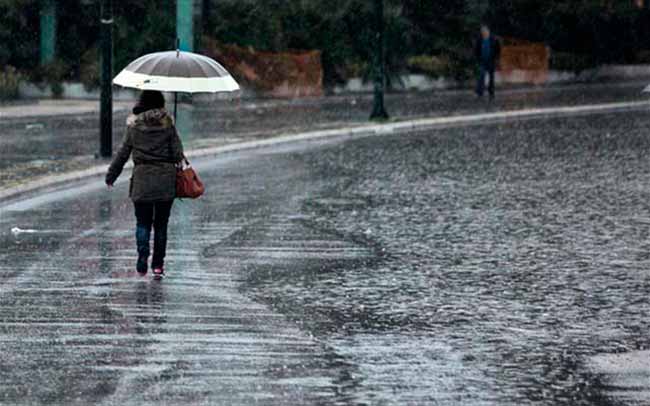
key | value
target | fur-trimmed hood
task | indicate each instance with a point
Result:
(150, 119)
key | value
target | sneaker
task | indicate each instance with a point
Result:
(158, 273)
(141, 266)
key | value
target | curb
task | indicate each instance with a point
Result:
(88, 112)
(417, 125)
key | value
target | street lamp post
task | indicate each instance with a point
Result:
(379, 110)
(106, 104)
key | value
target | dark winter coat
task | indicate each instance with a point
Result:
(152, 141)
(495, 51)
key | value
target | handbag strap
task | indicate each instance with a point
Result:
(171, 150)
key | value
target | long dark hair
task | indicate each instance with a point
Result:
(149, 100)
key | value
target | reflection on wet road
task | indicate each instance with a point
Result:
(77, 325)
(479, 266)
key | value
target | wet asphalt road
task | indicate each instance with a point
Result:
(465, 266)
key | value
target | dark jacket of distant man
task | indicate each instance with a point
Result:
(490, 60)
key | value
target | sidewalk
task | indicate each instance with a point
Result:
(48, 108)
(55, 137)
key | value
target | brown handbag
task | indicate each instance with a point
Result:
(188, 183)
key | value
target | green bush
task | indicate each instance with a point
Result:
(52, 74)
(10, 81)
(433, 66)
(355, 70)
(462, 68)
(458, 66)
(643, 57)
(575, 63)
(89, 72)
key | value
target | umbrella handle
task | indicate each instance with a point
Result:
(178, 53)
(175, 105)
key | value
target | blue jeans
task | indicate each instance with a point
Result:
(148, 215)
(480, 85)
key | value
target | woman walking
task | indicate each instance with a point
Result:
(152, 141)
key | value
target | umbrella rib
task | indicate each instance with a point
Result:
(185, 69)
(216, 66)
(204, 61)
(201, 68)
(138, 63)
(166, 67)
(158, 61)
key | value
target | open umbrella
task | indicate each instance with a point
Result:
(176, 71)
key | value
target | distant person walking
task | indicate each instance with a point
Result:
(151, 139)
(487, 51)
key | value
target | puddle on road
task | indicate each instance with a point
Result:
(626, 376)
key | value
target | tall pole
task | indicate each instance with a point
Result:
(379, 110)
(106, 107)
(48, 31)
(185, 24)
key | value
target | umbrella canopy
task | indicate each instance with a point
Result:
(176, 71)
(646, 90)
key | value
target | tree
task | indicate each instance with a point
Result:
(18, 35)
